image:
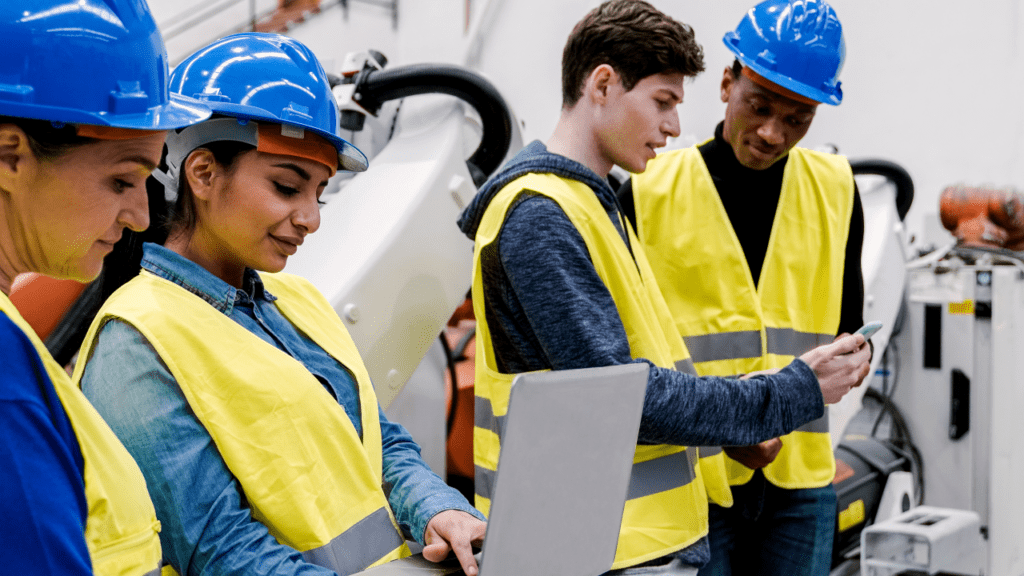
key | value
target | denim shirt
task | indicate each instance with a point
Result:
(206, 524)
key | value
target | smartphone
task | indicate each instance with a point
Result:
(868, 330)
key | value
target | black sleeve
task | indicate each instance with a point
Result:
(852, 315)
(626, 205)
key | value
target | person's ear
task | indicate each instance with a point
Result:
(16, 157)
(727, 83)
(600, 82)
(202, 171)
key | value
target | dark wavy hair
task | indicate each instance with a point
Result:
(180, 217)
(634, 38)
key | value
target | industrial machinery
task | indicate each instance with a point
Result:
(950, 396)
(875, 466)
(389, 255)
(960, 392)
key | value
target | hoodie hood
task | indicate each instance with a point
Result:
(533, 158)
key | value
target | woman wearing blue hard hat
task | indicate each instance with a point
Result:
(273, 453)
(83, 113)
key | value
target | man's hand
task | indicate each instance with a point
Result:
(458, 531)
(756, 456)
(871, 354)
(839, 366)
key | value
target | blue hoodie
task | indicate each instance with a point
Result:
(547, 308)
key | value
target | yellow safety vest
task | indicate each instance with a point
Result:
(666, 508)
(730, 326)
(121, 531)
(310, 479)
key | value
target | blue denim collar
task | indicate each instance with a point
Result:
(176, 268)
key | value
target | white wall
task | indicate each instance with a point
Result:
(329, 34)
(929, 84)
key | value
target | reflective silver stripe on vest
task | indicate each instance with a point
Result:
(483, 416)
(650, 477)
(686, 366)
(724, 346)
(747, 344)
(820, 425)
(153, 572)
(708, 451)
(661, 474)
(371, 539)
(647, 478)
(789, 342)
(483, 482)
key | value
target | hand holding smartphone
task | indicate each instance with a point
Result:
(868, 330)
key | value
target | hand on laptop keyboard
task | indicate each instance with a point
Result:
(456, 531)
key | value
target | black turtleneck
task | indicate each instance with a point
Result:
(750, 198)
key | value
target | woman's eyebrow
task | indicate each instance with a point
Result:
(294, 168)
(146, 163)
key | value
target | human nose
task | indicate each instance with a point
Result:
(307, 216)
(771, 131)
(670, 127)
(134, 213)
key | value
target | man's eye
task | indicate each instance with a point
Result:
(760, 110)
(120, 186)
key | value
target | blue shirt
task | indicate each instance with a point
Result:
(206, 525)
(42, 488)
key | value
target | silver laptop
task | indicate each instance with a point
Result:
(566, 456)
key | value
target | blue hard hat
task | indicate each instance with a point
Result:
(99, 62)
(266, 77)
(797, 44)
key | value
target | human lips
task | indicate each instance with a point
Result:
(108, 243)
(289, 244)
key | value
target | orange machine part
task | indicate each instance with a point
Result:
(983, 216)
(459, 447)
(287, 14)
(43, 301)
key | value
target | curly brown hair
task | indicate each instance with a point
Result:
(634, 38)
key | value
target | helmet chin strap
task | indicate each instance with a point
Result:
(170, 184)
(269, 137)
(181, 143)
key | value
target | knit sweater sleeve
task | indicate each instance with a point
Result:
(557, 313)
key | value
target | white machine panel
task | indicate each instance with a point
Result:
(961, 392)
(924, 540)
(883, 261)
(389, 256)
